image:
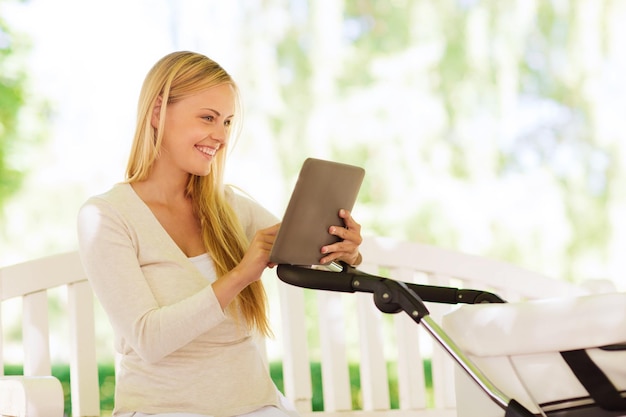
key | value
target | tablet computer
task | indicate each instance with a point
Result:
(322, 189)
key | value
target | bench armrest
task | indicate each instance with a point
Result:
(32, 396)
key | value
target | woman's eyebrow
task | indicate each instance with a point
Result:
(210, 109)
(218, 114)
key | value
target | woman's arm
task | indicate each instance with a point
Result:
(255, 260)
(109, 249)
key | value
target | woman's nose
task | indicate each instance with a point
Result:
(220, 133)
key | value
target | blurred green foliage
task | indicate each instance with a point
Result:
(506, 91)
(452, 107)
(12, 98)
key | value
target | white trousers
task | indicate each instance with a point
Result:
(267, 411)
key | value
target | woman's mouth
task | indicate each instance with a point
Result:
(207, 150)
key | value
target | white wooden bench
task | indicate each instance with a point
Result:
(333, 328)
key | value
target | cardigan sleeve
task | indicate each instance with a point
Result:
(109, 249)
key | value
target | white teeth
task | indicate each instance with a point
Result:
(207, 150)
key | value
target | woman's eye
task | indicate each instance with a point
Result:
(208, 118)
(227, 123)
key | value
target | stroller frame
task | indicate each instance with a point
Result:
(393, 296)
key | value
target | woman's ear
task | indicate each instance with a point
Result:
(156, 112)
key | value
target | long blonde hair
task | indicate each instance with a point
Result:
(172, 78)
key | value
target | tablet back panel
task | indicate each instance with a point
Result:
(323, 187)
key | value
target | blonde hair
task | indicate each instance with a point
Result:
(172, 78)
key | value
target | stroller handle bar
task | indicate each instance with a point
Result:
(349, 279)
(391, 296)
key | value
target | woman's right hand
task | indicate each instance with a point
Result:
(252, 265)
(257, 257)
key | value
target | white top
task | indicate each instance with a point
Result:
(179, 351)
(204, 263)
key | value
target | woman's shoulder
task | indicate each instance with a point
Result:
(120, 198)
(120, 206)
(121, 192)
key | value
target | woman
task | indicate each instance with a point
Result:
(175, 257)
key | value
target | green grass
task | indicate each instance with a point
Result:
(276, 372)
(107, 383)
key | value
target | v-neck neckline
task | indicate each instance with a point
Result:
(154, 218)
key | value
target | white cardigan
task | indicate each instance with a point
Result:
(179, 351)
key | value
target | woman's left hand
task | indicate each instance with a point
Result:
(347, 249)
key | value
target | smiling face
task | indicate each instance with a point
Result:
(196, 128)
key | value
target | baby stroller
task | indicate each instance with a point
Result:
(513, 377)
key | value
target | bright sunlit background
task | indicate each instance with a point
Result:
(492, 127)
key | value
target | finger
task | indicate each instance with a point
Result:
(268, 234)
(340, 249)
(347, 235)
(268, 238)
(348, 219)
(328, 259)
(334, 256)
(338, 231)
(272, 230)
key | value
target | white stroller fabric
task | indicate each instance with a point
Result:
(517, 346)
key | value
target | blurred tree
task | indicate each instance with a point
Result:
(487, 126)
(472, 94)
(12, 99)
(498, 63)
